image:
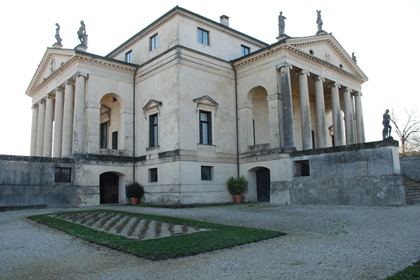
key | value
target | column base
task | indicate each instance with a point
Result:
(287, 149)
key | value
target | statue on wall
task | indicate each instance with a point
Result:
(57, 34)
(319, 20)
(82, 34)
(353, 57)
(281, 23)
(386, 132)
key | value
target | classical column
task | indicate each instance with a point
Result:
(305, 111)
(359, 119)
(348, 117)
(58, 122)
(286, 92)
(79, 109)
(321, 121)
(49, 117)
(337, 117)
(34, 129)
(273, 119)
(68, 119)
(40, 130)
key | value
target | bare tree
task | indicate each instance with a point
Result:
(407, 130)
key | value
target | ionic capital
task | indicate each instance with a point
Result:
(318, 78)
(34, 106)
(358, 93)
(69, 82)
(284, 65)
(79, 74)
(334, 84)
(304, 72)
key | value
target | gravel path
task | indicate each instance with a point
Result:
(322, 242)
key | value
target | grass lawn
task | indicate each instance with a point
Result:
(410, 273)
(219, 237)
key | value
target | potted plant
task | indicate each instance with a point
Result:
(237, 186)
(134, 191)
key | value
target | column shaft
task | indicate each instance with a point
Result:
(49, 117)
(79, 108)
(40, 130)
(337, 118)
(359, 119)
(321, 128)
(305, 111)
(68, 120)
(288, 124)
(348, 117)
(34, 129)
(58, 122)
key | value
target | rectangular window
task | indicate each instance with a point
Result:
(115, 140)
(206, 173)
(245, 50)
(205, 128)
(129, 56)
(203, 36)
(153, 42)
(104, 135)
(62, 174)
(153, 175)
(153, 131)
(301, 168)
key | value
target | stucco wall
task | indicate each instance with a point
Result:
(410, 167)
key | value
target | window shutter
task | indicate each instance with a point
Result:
(151, 131)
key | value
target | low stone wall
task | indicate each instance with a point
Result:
(361, 174)
(29, 181)
(410, 167)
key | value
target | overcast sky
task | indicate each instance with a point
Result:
(383, 34)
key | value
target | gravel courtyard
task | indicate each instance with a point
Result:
(322, 242)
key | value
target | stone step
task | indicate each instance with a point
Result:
(412, 190)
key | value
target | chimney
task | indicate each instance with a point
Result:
(224, 20)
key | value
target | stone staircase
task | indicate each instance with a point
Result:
(412, 190)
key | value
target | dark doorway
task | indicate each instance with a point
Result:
(108, 187)
(263, 185)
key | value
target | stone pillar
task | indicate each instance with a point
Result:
(321, 120)
(92, 124)
(58, 122)
(359, 119)
(40, 130)
(68, 120)
(286, 93)
(337, 117)
(49, 117)
(305, 111)
(350, 139)
(79, 112)
(273, 119)
(34, 129)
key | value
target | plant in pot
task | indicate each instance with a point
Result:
(237, 186)
(134, 191)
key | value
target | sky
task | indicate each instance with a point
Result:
(383, 34)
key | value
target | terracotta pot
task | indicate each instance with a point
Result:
(134, 200)
(238, 198)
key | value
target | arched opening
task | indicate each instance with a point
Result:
(109, 187)
(259, 182)
(260, 125)
(110, 123)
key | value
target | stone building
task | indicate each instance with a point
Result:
(188, 102)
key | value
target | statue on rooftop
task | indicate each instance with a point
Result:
(386, 132)
(82, 34)
(57, 34)
(319, 20)
(281, 23)
(353, 57)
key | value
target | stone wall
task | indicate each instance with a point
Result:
(410, 167)
(361, 174)
(29, 181)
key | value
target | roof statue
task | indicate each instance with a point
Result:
(281, 23)
(319, 20)
(57, 34)
(386, 132)
(353, 57)
(82, 34)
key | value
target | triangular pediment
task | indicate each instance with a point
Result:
(151, 107)
(328, 49)
(206, 101)
(52, 60)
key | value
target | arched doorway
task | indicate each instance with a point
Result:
(109, 188)
(263, 185)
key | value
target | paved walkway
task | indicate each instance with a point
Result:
(322, 242)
